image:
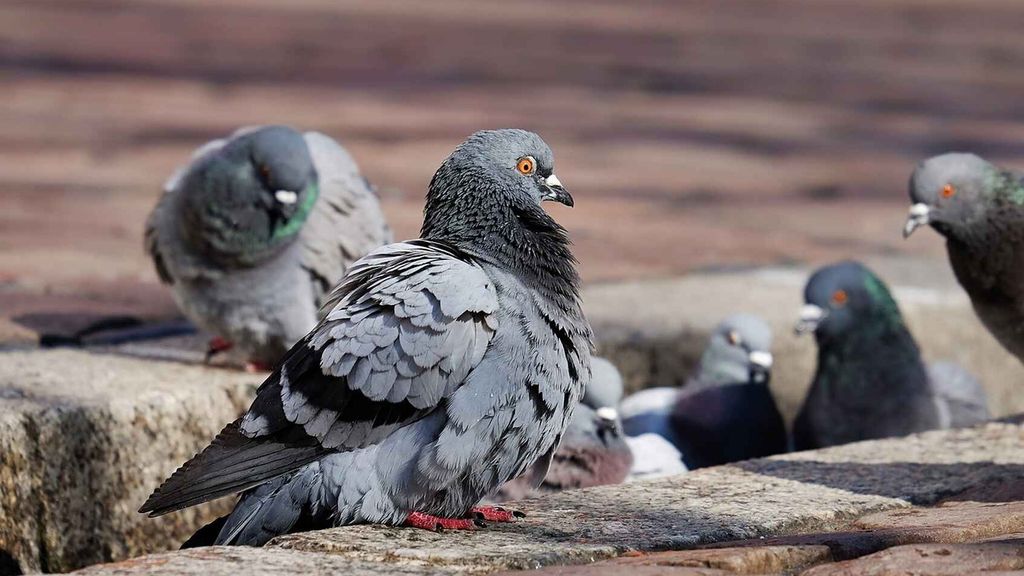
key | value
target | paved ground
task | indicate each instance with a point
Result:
(693, 134)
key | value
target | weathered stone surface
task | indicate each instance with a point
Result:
(656, 330)
(951, 522)
(932, 560)
(236, 561)
(795, 494)
(85, 437)
(804, 492)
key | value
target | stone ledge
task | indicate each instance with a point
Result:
(85, 437)
(820, 491)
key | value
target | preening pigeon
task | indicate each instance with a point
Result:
(725, 412)
(593, 451)
(979, 208)
(446, 366)
(254, 232)
(870, 381)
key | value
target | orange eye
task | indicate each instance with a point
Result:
(526, 165)
(265, 171)
(839, 297)
(948, 191)
(734, 337)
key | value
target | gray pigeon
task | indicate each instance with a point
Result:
(725, 412)
(979, 208)
(254, 232)
(871, 381)
(446, 366)
(593, 451)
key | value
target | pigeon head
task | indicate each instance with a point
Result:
(486, 198)
(950, 192)
(845, 298)
(605, 390)
(739, 350)
(246, 199)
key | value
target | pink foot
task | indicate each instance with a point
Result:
(216, 345)
(497, 514)
(438, 524)
(257, 366)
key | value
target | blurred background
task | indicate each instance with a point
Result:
(694, 135)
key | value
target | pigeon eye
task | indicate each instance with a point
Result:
(839, 297)
(264, 171)
(948, 191)
(526, 165)
(734, 338)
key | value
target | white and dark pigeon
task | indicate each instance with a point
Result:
(979, 208)
(871, 381)
(593, 451)
(445, 367)
(725, 412)
(252, 235)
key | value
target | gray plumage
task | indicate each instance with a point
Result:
(725, 412)
(253, 233)
(446, 366)
(593, 451)
(871, 381)
(960, 399)
(979, 209)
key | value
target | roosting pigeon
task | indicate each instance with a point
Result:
(446, 366)
(252, 235)
(593, 451)
(979, 208)
(726, 411)
(870, 381)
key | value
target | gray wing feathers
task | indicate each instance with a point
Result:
(347, 221)
(411, 334)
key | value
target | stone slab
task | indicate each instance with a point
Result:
(85, 437)
(820, 491)
(932, 560)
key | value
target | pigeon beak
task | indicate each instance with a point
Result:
(607, 421)
(553, 190)
(286, 197)
(810, 317)
(761, 359)
(919, 216)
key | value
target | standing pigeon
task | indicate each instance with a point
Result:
(870, 381)
(725, 412)
(593, 451)
(979, 208)
(252, 235)
(446, 366)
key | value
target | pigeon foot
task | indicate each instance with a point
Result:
(215, 346)
(438, 524)
(497, 514)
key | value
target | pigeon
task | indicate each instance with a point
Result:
(725, 412)
(252, 235)
(446, 366)
(653, 457)
(593, 451)
(871, 381)
(959, 396)
(979, 208)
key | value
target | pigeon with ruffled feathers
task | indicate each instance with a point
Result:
(445, 366)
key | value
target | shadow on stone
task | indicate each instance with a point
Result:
(8, 565)
(917, 483)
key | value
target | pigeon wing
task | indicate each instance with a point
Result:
(404, 330)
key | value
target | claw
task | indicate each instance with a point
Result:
(438, 524)
(497, 513)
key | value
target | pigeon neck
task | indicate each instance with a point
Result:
(523, 240)
(868, 362)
